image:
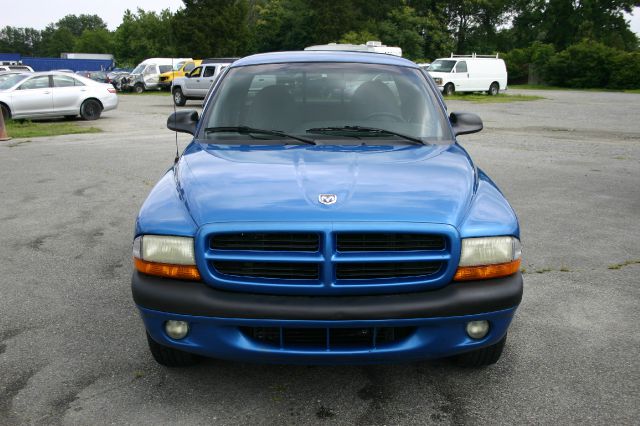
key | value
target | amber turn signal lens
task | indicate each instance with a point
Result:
(466, 273)
(181, 272)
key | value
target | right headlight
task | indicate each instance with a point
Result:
(488, 257)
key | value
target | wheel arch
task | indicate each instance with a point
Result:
(5, 105)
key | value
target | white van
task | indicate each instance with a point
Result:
(146, 76)
(469, 73)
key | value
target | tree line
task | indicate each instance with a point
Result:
(545, 34)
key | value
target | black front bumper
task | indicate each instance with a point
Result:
(199, 299)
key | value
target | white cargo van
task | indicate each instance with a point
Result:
(146, 76)
(469, 73)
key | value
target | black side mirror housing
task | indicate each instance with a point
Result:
(183, 121)
(464, 123)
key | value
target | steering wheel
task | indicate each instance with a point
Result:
(385, 114)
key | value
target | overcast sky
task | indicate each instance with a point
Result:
(39, 13)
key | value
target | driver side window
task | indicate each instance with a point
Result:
(196, 72)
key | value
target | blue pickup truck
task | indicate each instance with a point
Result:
(325, 214)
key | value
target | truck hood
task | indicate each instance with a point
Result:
(220, 183)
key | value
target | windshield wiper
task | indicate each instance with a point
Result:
(361, 129)
(247, 130)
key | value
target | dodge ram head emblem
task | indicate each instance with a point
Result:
(327, 199)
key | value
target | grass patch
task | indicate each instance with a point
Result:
(486, 99)
(625, 263)
(543, 87)
(30, 129)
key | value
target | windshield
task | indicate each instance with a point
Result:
(332, 103)
(179, 65)
(442, 66)
(8, 81)
(138, 69)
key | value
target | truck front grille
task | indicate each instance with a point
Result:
(328, 338)
(327, 258)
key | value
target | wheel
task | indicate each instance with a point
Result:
(6, 112)
(449, 89)
(138, 88)
(178, 97)
(482, 357)
(170, 357)
(90, 109)
(494, 89)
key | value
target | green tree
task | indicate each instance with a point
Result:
(56, 41)
(25, 41)
(212, 28)
(95, 41)
(143, 35)
(78, 24)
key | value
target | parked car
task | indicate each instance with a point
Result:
(180, 69)
(100, 76)
(303, 227)
(50, 94)
(146, 76)
(469, 73)
(196, 84)
(19, 68)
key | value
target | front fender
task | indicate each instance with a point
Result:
(489, 213)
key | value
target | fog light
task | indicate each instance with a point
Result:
(477, 329)
(176, 329)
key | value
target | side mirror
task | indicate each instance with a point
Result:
(464, 123)
(183, 121)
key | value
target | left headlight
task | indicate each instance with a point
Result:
(165, 256)
(488, 257)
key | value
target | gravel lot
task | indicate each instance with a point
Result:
(72, 348)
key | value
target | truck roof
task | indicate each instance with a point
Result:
(323, 56)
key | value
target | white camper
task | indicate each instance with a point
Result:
(469, 73)
(371, 46)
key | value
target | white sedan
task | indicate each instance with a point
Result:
(51, 94)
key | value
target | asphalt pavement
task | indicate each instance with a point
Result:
(73, 349)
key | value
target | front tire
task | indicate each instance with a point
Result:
(138, 88)
(482, 357)
(494, 89)
(90, 110)
(170, 357)
(449, 89)
(178, 97)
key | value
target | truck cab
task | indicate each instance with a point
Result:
(197, 83)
